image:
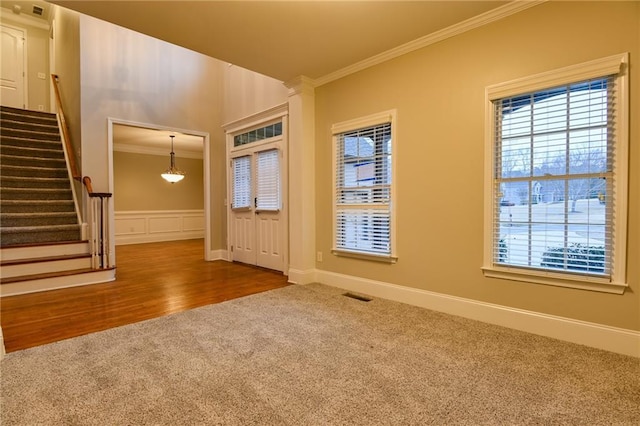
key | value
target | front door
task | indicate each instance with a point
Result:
(12, 73)
(256, 209)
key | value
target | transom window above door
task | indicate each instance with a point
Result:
(255, 135)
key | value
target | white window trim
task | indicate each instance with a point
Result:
(616, 64)
(355, 124)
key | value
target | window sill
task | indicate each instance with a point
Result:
(384, 258)
(555, 279)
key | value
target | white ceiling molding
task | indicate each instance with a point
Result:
(459, 28)
(151, 150)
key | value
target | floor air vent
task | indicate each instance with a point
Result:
(357, 297)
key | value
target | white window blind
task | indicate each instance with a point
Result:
(241, 182)
(554, 179)
(364, 190)
(268, 180)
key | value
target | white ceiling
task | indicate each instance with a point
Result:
(152, 141)
(281, 39)
(285, 39)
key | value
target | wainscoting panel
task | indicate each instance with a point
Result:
(135, 227)
(160, 225)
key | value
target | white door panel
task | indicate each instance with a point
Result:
(243, 226)
(269, 241)
(12, 67)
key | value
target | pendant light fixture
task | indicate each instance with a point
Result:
(172, 174)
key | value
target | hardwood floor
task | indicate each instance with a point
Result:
(152, 280)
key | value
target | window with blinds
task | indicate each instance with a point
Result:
(557, 182)
(363, 190)
(268, 180)
(554, 170)
(241, 182)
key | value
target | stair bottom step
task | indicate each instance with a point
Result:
(53, 281)
(45, 275)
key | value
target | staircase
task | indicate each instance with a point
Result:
(40, 231)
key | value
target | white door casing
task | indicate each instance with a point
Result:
(257, 231)
(13, 67)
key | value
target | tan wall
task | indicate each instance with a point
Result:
(66, 39)
(37, 62)
(247, 93)
(130, 76)
(439, 95)
(138, 185)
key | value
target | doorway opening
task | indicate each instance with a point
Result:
(146, 208)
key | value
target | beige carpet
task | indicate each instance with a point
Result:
(306, 355)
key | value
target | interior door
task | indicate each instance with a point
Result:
(12, 72)
(256, 219)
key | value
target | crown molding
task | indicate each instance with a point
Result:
(496, 14)
(300, 85)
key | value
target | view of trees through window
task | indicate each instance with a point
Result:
(553, 166)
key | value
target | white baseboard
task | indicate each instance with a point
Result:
(217, 255)
(2, 351)
(296, 276)
(613, 339)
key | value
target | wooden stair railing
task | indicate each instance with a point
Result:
(66, 137)
(98, 201)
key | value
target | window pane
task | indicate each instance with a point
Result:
(268, 180)
(516, 157)
(553, 149)
(363, 230)
(255, 135)
(241, 182)
(550, 154)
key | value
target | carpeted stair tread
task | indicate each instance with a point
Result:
(26, 171)
(51, 128)
(38, 234)
(26, 112)
(39, 219)
(17, 150)
(33, 182)
(35, 193)
(32, 206)
(29, 143)
(27, 134)
(28, 229)
(25, 160)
